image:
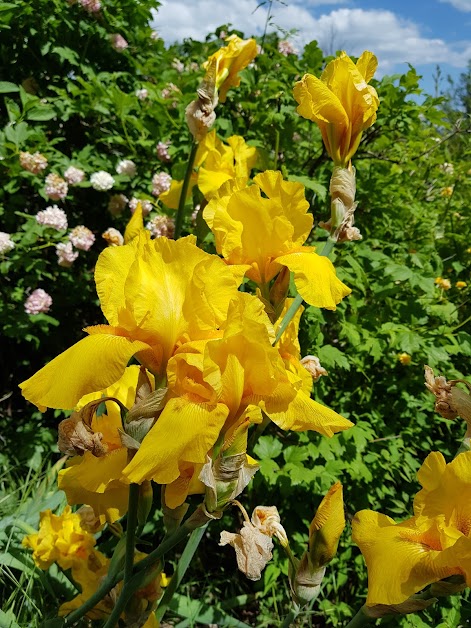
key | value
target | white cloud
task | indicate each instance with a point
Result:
(393, 39)
(460, 5)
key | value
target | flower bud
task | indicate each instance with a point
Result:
(326, 527)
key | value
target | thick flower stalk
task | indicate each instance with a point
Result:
(341, 103)
(434, 544)
(265, 227)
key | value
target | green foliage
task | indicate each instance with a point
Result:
(69, 95)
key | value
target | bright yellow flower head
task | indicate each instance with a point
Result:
(216, 163)
(61, 539)
(341, 102)
(265, 226)
(155, 295)
(403, 558)
(230, 61)
(217, 384)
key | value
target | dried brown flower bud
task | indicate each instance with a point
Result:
(439, 387)
(253, 549)
(199, 114)
(76, 437)
(312, 364)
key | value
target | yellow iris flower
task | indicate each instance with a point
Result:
(341, 102)
(155, 294)
(403, 558)
(61, 539)
(230, 60)
(215, 163)
(217, 384)
(265, 226)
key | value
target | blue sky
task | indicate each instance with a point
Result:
(422, 32)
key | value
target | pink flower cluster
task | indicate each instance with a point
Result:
(82, 238)
(74, 175)
(34, 163)
(39, 301)
(91, 6)
(178, 65)
(162, 151)
(169, 90)
(286, 48)
(66, 255)
(116, 204)
(6, 243)
(161, 226)
(56, 187)
(53, 217)
(142, 93)
(127, 167)
(145, 204)
(118, 42)
(160, 183)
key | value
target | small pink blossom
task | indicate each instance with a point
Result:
(91, 6)
(194, 214)
(66, 255)
(34, 163)
(39, 301)
(142, 93)
(162, 151)
(118, 42)
(116, 204)
(161, 226)
(74, 175)
(178, 65)
(286, 48)
(145, 204)
(82, 238)
(169, 90)
(113, 237)
(53, 217)
(6, 243)
(160, 183)
(154, 36)
(56, 187)
(296, 137)
(127, 167)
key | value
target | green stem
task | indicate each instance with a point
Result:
(290, 314)
(277, 149)
(108, 584)
(182, 566)
(360, 619)
(290, 618)
(186, 182)
(131, 526)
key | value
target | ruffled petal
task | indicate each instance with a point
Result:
(315, 279)
(184, 432)
(401, 558)
(92, 364)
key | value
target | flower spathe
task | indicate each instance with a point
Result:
(155, 295)
(341, 102)
(230, 60)
(403, 558)
(265, 226)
